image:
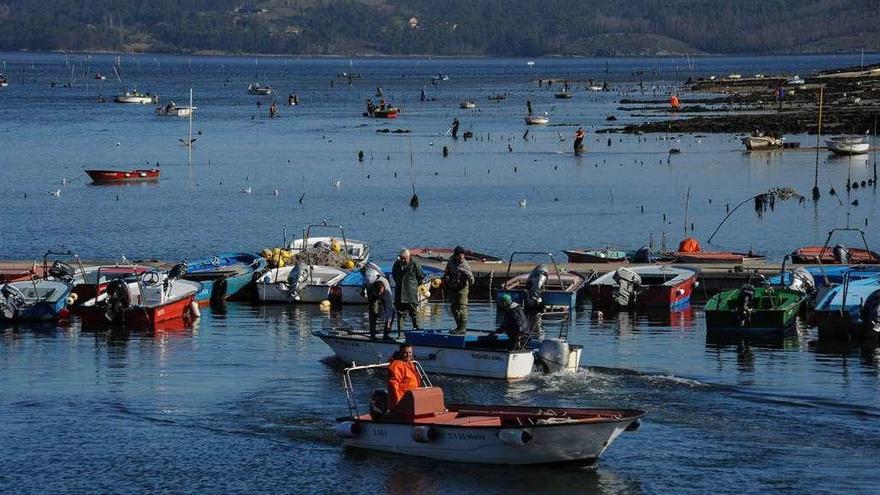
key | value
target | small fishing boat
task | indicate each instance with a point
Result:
(117, 176)
(563, 95)
(850, 310)
(387, 113)
(497, 97)
(142, 299)
(542, 287)
(172, 110)
(754, 310)
(690, 251)
(258, 90)
(136, 97)
(422, 424)
(467, 105)
(299, 283)
(224, 275)
(838, 254)
(537, 120)
(659, 286)
(757, 143)
(318, 248)
(350, 289)
(3, 81)
(849, 145)
(595, 88)
(17, 273)
(36, 300)
(478, 353)
(90, 281)
(606, 255)
(443, 254)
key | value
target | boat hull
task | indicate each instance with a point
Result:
(596, 256)
(761, 322)
(140, 316)
(117, 176)
(279, 292)
(47, 309)
(655, 296)
(238, 269)
(547, 444)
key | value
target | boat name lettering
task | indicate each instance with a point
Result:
(465, 436)
(486, 356)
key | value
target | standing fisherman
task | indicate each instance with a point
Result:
(455, 124)
(579, 140)
(458, 278)
(380, 304)
(407, 274)
(529, 106)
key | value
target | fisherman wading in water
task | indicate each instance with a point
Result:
(579, 140)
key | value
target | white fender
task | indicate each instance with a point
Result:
(194, 307)
(347, 429)
(424, 434)
(515, 437)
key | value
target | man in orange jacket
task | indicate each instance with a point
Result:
(402, 375)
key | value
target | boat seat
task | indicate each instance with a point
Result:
(418, 403)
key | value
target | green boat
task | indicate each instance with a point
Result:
(753, 310)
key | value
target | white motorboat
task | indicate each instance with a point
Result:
(755, 143)
(422, 424)
(849, 145)
(537, 120)
(316, 246)
(478, 353)
(257, 89)
(174, 111)
(299, 283)
(136, 97)
(467, 105)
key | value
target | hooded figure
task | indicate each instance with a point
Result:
(457, 278)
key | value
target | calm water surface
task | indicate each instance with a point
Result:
(244, 401)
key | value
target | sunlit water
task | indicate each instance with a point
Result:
(245, 401)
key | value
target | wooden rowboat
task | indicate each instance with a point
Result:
(115, 176)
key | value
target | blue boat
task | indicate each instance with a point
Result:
(543, 287)
(850, 310)
(829, 275)
(33, 300)
(224, 275)
(350, 289)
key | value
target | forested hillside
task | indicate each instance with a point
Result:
(448, 27)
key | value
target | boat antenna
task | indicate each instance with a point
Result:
(816, 193)
(414, 200)
(874, 139)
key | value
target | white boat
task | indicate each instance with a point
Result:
(348, 249)
(299, 283)
(853, 145)
(3, 81)
(467, 105)
(174, 111)
(762, 143)
(479, 353)
(136, 97)
(259, 90)
(796, 80)
(537, 120)
(595, 88)
(422, 424)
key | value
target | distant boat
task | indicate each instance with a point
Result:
(3, 81)
(258, 90)
(440, 77)
(564, 95)
(118, 176)
(537, 120)
(388, 113)
(172, 110)
(467, 105)
(755, 143)
(530, 63)
(99, 76)
(136, 97)
(849, 145)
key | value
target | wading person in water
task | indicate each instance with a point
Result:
(579, 140)
(402, 375)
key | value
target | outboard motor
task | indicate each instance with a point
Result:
(745, 304)
(535, 283)
(62, 271)
(177, 271)
(298, 279)
(628, 285)
(802, 281)
(12, 302)
(841, 254)
(378, 404)
(118, 300)
(871, 314)
(553, 354)
(643, 255)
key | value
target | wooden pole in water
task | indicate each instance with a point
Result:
(875, 151)
(816, 193)
(687, 203)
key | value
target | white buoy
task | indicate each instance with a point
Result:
(56, 193)
(337, 183)
(522, 203)
(275, 192)
(194, 306)
(246, 190)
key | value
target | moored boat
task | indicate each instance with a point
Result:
(850, 310)
(3, 81)
(537, 120)
(116, 176)
(224, 275)
(299, 283)
(422, 424)
(385, 113)
(607, 255)
(256, 89)
(849, 145)
(757, 143)
(172, 110)
(542, 287)
(754, 310)
(837, 254)
(443, 254)
(467, 105)
(136, 97)
(653, 286)
(133, 299)
(36, 300)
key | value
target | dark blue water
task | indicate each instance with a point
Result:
(245, 401)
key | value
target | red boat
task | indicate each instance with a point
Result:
(650, 286)
(713, 257)
(141, 299)
(115, 176)
(17, 272)
(444, 253)
(92, 281)
(388, 113)
(830, 256)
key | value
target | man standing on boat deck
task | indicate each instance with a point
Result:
(458, 278)
(380, 304)
(515, 323)
(407, 274)
(402, 375)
